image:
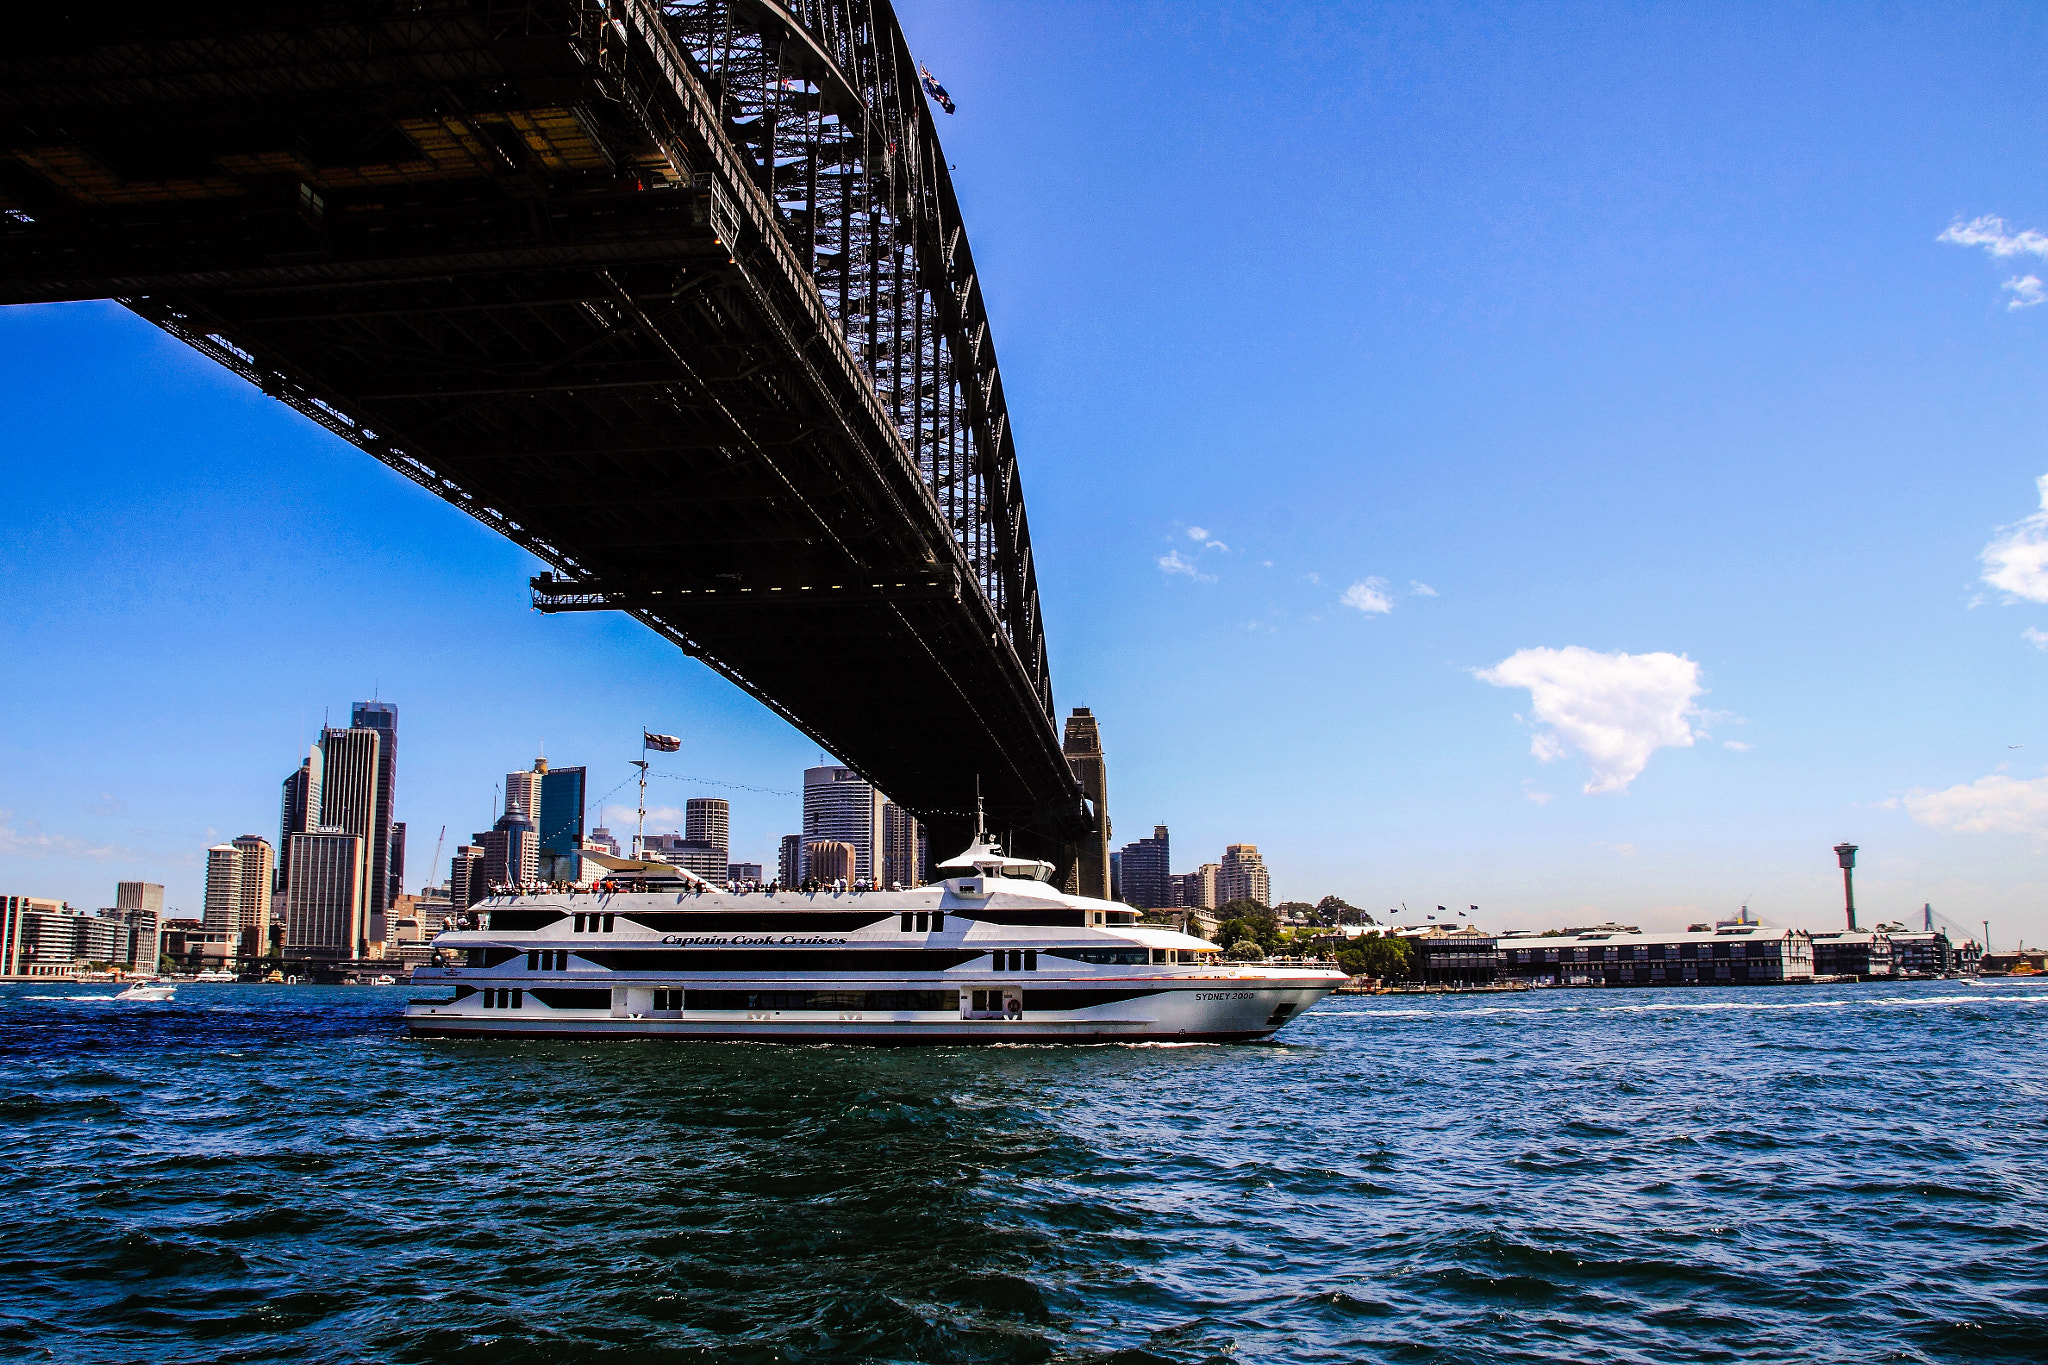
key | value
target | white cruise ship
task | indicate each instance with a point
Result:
(991, 954)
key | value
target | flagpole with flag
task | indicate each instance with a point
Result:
(649, 742)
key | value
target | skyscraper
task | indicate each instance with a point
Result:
(466, 882)
(140, 905)
(324, 901)
(259, 871)
(1243, 877)
(562, 795)
(708, 820)
(139, 896)
(301, 809)
(831, 860)
(789, 860)
(351, 771)
(903, 849)
(1083, 747)
(223, 912)
(385, 876)
(511, 853)
(1143, 878)
(524, 790)
(840, 805)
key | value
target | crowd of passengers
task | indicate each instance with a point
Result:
(608, 886)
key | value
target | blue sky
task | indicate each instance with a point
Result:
(1629, 332)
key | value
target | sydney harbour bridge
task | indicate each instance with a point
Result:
(676, 296)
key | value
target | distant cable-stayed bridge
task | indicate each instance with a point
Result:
(676, 296)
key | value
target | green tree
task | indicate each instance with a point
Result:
(1244, 919)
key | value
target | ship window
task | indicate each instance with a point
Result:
(518, 998)
(1158, 956)
(580, 919)
(906, 921)
(1101, 957)
(1016, 960)
(938, 921)
(924, 921)
(1031, 959)
(981, 1001)
(532, 962)
(607, 924)
(996, 960)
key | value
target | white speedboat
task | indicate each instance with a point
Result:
(149, 991)
(991, 954)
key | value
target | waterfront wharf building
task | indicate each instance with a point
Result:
(1142, 872)
(1862, 953)
(1923, 954)
(840, 806)
(40, 937)
(1729, 954)
(1454, 957)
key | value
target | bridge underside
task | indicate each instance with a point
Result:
(511, 251)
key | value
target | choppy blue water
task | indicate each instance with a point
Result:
(269, 1173)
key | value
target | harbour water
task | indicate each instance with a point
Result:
(256, 1173)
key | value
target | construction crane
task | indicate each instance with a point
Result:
(443, 838)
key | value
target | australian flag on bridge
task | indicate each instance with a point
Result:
(935, 90)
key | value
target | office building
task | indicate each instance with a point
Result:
(1082, 744)
(223, 897)
(789, 860)
(351, 771)
(1143, 878)
(563, 792)
(141, 931)
(21, 933)
(511, 853)
(466, 882)
(694, 855)
(326, 913)
(139, 896)
(904, 853)
(743, 872)
(841, 806)
(526, 791)
(1242, 876)
(831, 860)
(1116, 875)
(259, 871)
(601, 839)
(300, 809)
(708, 820)
(386, 835)
(1197, 890)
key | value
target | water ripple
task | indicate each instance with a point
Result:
(266, 1173)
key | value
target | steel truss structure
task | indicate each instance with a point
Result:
(674, 295)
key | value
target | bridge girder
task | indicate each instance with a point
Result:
(676, 296)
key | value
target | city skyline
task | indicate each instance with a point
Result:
(1637, 392)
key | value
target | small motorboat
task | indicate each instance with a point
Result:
(146, 991)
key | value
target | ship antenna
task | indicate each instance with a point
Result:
(979, 829)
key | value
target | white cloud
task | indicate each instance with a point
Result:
(1989, 232)
(1312, 578)
(2029, 291)
(1197, 533)
(1614, 710)
(2037, 638)
(1990, 805)
(1421, 589)
(1216, 545)
(1369, 596)
(1172, 562)
(1737, 745)
(2016, 560)
(32, 841)
(1540, 798)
